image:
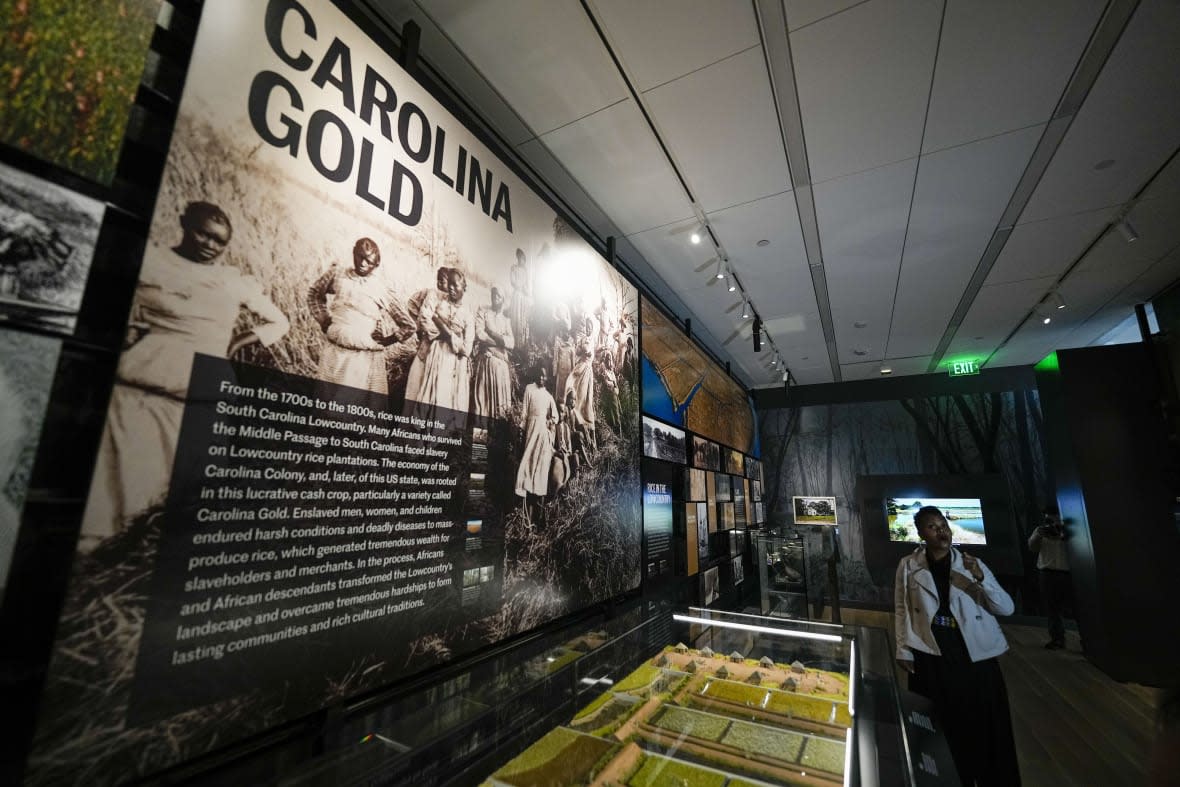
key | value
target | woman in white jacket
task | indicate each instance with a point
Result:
(948, 640)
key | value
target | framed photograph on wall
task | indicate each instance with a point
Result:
(814, 510)
(694, 484)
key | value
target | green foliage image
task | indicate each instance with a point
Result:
(69, 72)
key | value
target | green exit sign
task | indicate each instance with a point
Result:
(963, 368)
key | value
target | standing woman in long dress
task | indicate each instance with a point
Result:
(446, 365)
(186, 303)
(355, 321)
(521, 302)
(492, 381)
(539, 416)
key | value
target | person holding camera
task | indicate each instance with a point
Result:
(1048, 542)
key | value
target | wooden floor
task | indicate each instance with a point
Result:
(1073, 724)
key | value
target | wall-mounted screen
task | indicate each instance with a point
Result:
(814, 510)
(963, 514)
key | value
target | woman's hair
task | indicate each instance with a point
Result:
(366, 246)
(196, 212)
(925, 512)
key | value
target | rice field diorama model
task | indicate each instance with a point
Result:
(696, 717)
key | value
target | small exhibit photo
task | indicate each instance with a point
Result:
(709, 523)
(734, 462)
(759, 517)
(694, 484)
(738, 573)
(661, 441)
(703, 530)
(706, 454)
(724, 487)
(709, 586)
(728, 521)
(27, 365)
(756, 489)
(47, 239)
(691, 534)
(814, 510)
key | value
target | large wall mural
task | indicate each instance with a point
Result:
(683, 386)
(377, 408)
(825, 449)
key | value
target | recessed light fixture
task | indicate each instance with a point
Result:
(1047, 320)
(1106, 163)
(764, 243)
(695, 238)
(859, 351)
(886, 370)
(860, 324)
(979, 338)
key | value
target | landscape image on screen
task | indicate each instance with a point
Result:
(963, 514)
(814, 510)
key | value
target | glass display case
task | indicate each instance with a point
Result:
(656, 696)
(782, 574)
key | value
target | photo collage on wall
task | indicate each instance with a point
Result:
(699, 419)
(374, 390)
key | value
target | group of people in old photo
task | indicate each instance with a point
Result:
(556, 369)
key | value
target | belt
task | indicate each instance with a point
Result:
(946, 621)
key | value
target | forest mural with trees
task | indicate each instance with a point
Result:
(823, 450)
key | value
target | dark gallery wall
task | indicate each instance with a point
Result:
(1117, 486)
(978, 436)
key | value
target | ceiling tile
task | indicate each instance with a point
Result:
(546, 59)
(1166, 185)
(1158, 231)
(722, 127)
(872, 370)
(806, 12)
(558, 178)
(961, 194)
(658, 42)
(614, 156)
(1131, 117)
(1048, 247)
(862, 222)
(1003, 65)
(775, 219)
(864, 78)
(996, 311)
(683, 265)
(441, 53)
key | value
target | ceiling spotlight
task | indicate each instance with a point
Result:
(695, 237)
(732, 284)
(886, 370)
(745, 309)
(1047, 320)
(1127, 231)
(786, 375)
(720, 269)
(1056, 299)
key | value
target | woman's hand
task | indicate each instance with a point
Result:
(972, 565)
(241, 341)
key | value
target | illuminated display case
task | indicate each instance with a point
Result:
(782, 574)
(656, 696)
